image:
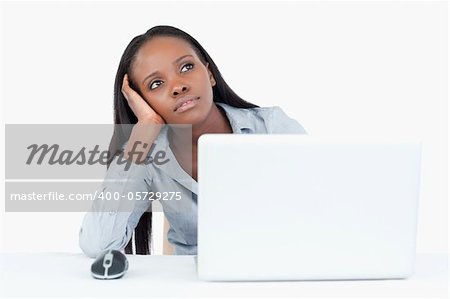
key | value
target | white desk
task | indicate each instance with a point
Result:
(64, 274)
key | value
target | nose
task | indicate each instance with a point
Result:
(179, 88)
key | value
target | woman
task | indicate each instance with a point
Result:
(166, 77)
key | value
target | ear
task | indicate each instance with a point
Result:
(211, 76)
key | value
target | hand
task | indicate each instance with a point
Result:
(140, 108)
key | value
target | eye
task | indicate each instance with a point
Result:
(155, 84)
(151, 86)
(190, 65)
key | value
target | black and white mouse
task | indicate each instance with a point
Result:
(110, 264)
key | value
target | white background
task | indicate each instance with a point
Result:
(339, 68)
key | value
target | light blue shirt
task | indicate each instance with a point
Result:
(110, 226)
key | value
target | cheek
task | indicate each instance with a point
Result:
(153, 103)
(160, 106)
(206, 84)
(150, 101)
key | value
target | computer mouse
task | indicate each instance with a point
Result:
(110, 264)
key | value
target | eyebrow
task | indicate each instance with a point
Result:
(175, 62)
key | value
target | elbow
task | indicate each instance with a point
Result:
(89, 247)
(90, 252)
(93, 247)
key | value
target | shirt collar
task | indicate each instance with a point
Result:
(240, 119)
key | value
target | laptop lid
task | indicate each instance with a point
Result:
(296, 207)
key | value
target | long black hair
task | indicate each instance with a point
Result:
(124, 115)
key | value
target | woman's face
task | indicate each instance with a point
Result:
(168, 72)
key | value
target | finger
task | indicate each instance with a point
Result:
(125, 87)
(130, 93)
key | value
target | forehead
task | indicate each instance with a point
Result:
(160, 52)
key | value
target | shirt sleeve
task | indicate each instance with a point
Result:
(109, 224)
(279, 122)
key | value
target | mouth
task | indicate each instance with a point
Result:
(186, 103)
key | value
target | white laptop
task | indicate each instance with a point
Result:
(297, 207)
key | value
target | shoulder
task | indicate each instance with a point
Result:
(278, 122)
(270, 120)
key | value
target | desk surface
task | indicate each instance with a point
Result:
(65, 274)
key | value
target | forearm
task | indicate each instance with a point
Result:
(142, 137)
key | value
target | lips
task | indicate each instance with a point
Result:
(184, 100)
